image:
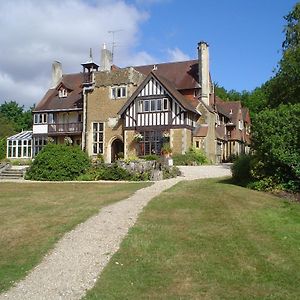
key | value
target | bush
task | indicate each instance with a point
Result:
(193, 157)
(151, 157)
(170, 172)
(113, 172)
(276, 143)
(58, 162)
(2, 148)
(241, 169)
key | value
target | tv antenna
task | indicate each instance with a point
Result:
(113, 44)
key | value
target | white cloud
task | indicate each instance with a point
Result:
(35, 33)
(177, 55)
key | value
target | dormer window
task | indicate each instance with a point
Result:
(62, 93)
(118, 92)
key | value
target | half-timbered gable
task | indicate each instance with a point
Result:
(156, 104)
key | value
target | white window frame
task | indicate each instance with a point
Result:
(152, 105)
(62, 93)
(40, 118)
(118, 92)
(98, 142)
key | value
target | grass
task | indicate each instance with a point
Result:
(33, 216)
(207, 239)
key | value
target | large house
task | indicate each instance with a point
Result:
(113, 111)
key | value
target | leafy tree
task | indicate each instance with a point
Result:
(255, 100)
(284, 87)
(276, 141)
(292, 29)
(6, 127)
(16, 114)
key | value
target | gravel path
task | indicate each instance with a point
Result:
(73, 266)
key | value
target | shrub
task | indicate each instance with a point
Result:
(58, 162)
(2, 148)
(241, 169)
(192, 157)
(276, 142)
(151, 157)
(113, 172)
(170, 172)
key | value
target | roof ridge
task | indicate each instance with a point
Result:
(166, 63)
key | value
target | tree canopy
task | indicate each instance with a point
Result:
(18, 118)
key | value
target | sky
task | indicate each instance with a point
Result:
(244, 38)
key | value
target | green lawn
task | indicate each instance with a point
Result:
(208, 239)
(33, 216)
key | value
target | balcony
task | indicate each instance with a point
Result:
(65, 128)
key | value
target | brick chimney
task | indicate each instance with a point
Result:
(203, 61)
(106, 59)
(56, 73)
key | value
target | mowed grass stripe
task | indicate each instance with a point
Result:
(33, 216)
(208, 239)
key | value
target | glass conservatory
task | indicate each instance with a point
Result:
(19, 145)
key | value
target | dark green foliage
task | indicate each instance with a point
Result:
(113, 172)
(276, 141)
(284, 87)
(6, 127)
(170, 172)
(255, 100)
(151, 157)
(58, 162)
(2, 148)
(241, 169)
(192, 157)
(20, 119)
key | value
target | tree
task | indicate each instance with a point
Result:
(276, 141)
(284, 87)
(21, 119)
(6, 127)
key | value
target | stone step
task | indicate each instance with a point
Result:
(10, 177)
(12, 173)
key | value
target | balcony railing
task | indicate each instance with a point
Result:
(65, 128)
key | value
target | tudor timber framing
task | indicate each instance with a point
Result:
(177, 115)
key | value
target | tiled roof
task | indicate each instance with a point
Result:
(184, 75)
(51, 101)
(167, 85)
(229, 109)
(220, 132)
(201, 131)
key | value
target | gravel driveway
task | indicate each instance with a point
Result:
(73, 266)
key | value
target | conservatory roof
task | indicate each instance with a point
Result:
(24, 135)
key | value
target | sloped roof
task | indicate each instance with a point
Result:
(167, 85)
(24, 135)
(246, 115)
(201, 131)
(229, 109)
(51, 101)
(183, 75)
(220, 132)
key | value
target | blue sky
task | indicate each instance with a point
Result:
(244, 36)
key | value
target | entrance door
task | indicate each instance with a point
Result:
(117, 150)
